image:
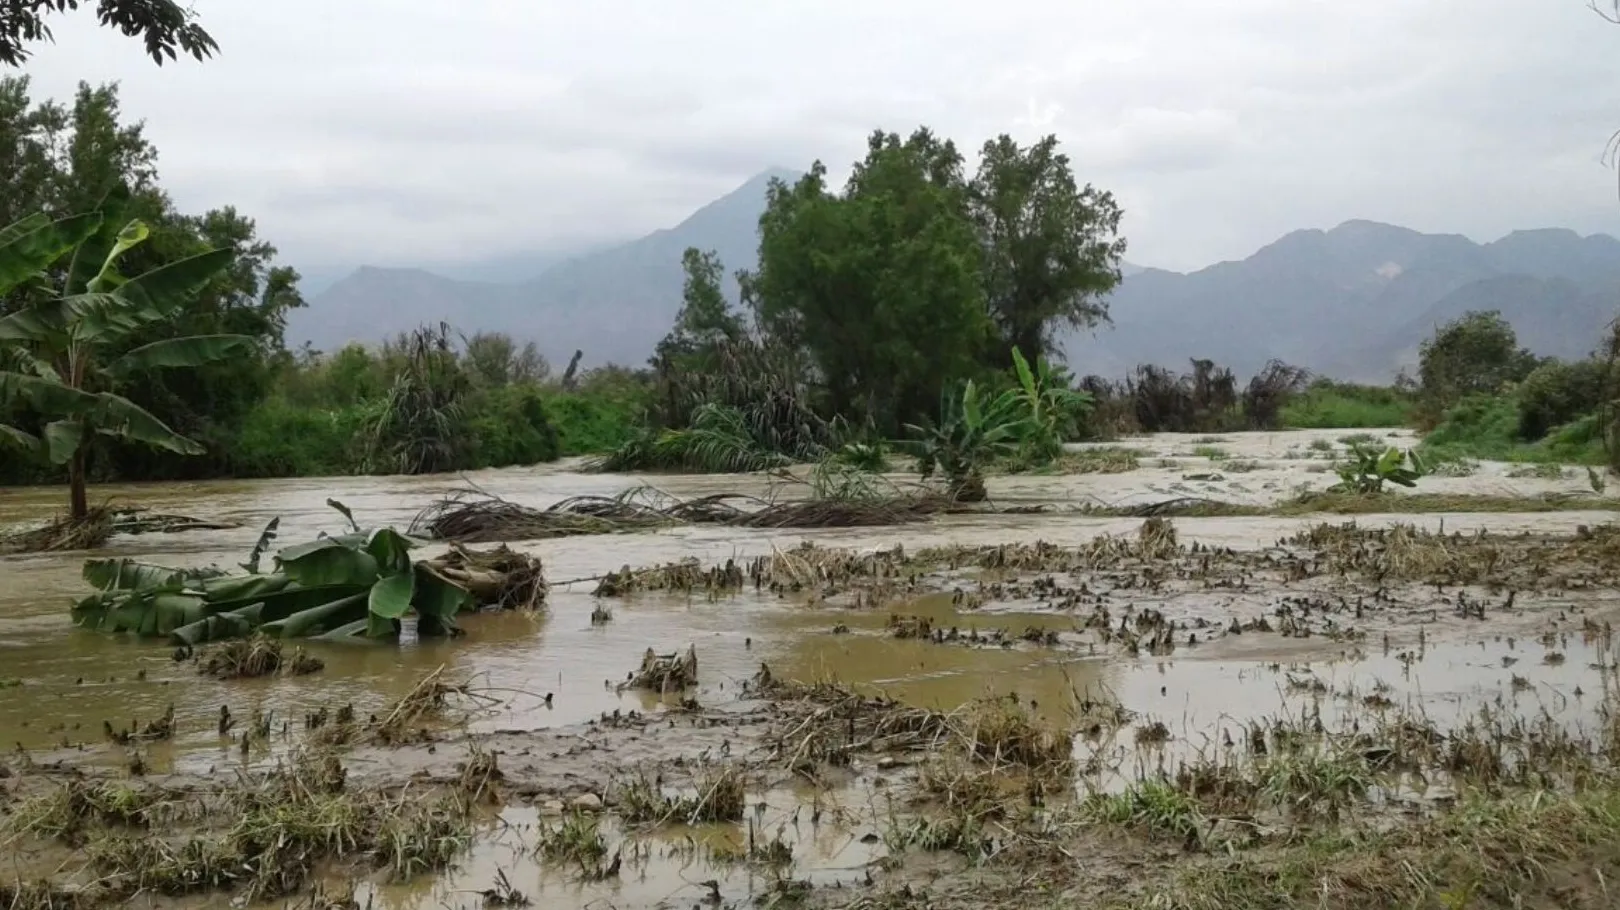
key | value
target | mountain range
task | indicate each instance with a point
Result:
(1353, 302)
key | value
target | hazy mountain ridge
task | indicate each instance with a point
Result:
(1355, 302)
(1352, 302)
(614, 304)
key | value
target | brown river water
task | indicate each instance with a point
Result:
(63, 683)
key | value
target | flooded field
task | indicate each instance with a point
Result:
(981, 709)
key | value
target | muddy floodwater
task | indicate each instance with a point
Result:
(553, 673)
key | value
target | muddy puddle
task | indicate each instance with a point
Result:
(1188, 661)
(831, 841)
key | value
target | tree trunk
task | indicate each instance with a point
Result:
(78, 505)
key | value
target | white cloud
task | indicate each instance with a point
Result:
(386, 131)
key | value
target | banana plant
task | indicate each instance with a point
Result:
(1369, 469)
(1052, 408)
(56, 354)
(354, 585)
(974, 429)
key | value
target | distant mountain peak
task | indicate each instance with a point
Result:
(1354, 302)
(1364, 228)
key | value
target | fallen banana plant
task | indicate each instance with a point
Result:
(355, 585)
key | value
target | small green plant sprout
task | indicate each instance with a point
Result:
(1368, 470)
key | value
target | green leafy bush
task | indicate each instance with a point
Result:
(1556, 393)
(278, 439)
(1326, 404)
(510, 426)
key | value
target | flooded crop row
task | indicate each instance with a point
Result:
(1011, 708)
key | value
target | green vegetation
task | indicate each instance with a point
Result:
(1369, 469)
(1326, 404)
(914, 284)
(168, 401)
(910, 310)
(1513, 407)
(58, 345)
(357, 584)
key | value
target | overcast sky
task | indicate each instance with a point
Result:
(365, 131)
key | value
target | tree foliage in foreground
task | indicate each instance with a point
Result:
(55, 354)
(64, 159)
(165, 27)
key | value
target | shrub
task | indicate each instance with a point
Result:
(1556, 393)
(278, 439)
(510, 426)
(1326, 404)
(1477, 353)
(591, 424)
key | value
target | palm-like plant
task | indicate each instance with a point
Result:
(1050, 405)
(54, 351)
(973, 430)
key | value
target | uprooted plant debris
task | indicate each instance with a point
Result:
(500, 578)
(664, 672)
(246, 658)
(833, 722)
(882, 574)
(436, 701)
(98, 526)
(477, 517)
(1330, 580)
(720, 795)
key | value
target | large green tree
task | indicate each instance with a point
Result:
(1051, 247)
(165, 26)
(880, 284)
(1476, 353)
(56, 353)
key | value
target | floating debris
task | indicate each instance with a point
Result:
(664, 672)
(253, 657)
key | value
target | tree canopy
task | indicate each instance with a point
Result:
(1476, 353)
(914, 276)
(165, 27)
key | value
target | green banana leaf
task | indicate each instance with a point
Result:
(328, 561)
(218, 627)
(360, 628)
(356, 585)
(437, 601)
(131, 575)
(316, 620)
(391, 596)
(391, 549)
